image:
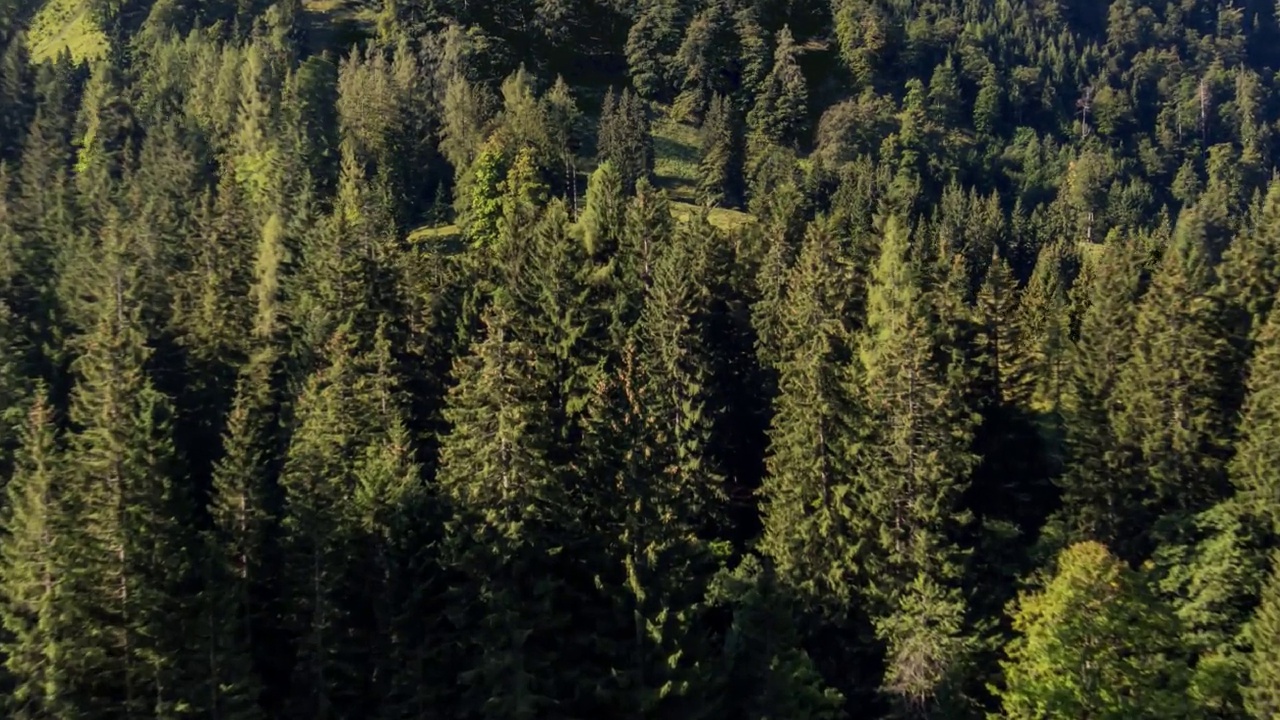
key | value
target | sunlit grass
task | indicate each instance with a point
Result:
(65, 24)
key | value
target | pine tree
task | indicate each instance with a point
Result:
(33, 594)
(1093, 643)
(911, 474)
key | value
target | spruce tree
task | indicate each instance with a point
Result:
(1097, 496)
(495, 475)
(1168, 417)
(768, 672)
(239, 592)
(808, 501)
(720, 168)
(319, 536)
(910, 476)
(1262, 694)
(779, 116)
(34, 590)
(1255, 469)
(129, 550)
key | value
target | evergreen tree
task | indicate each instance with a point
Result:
(624, 139)
(494, 473)
(129, 550)
(33, 595)
(317, 481)
(1262, 695)
(808, 500)
(911, 474)
(1167, 417)
(1099, 500)
(768, 673)
(720, 168)
(1255, 469)
(779, 116)
(238, 594)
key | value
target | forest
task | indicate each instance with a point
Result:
(670, 359)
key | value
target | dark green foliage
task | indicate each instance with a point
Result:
(871, 316)
(624, 139)
(721, 166)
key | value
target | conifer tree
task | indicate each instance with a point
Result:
(808, 501)
(779, 114)
(1167, 413)
(720, 168)
(565, 324)
(624, 140)
(494, 473)
(317, 480)
(1255, 468)
(128, 552)
(911, 474)
(768, 673)
(34, 591)
(239, 589)
(1098, 501)
(1262, 694)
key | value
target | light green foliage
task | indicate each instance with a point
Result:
(1093, 643)
(1262, 695)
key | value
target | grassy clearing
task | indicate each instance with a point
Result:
(65, 24)
(675, 158)
(722, 218)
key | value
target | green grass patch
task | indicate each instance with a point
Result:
(676, 151)
(65, 24)
(722, 218)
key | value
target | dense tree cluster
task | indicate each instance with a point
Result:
(382, 369)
